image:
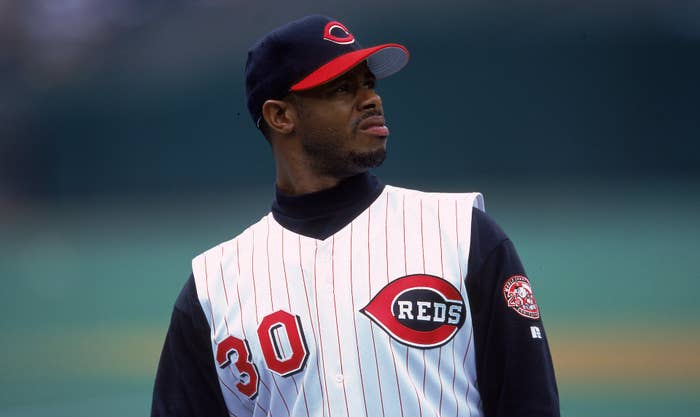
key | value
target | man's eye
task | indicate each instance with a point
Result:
(341, 88)
(371, 84)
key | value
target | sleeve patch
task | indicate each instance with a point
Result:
(518, 295)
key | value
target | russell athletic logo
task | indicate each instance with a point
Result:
(336, 32)
(422, 311)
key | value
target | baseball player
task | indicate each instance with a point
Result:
(351, 297)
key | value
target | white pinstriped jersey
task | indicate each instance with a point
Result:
(372, 321)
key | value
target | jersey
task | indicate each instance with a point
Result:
(408, 304)
(365, 322)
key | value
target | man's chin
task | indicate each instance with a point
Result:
(366, 160)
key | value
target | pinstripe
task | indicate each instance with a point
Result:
(337, 330)
(369, 287)
(320, 334)
(442, 274)
(391, 342)
(313, 328)
(255, 305)
(463, 365)
(354, 325)
(272, 308)
(460, 278)
(252, 273)
(235, 393)
(405, 271)
(228, 330)
(211, 308)
(240, 314)
(206, 280)
(267, 258)
(289, 306)
(281, 394)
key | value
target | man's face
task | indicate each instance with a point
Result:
(341, 124)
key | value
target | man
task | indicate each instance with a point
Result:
(351, 298)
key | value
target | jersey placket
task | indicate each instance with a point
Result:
(329, 330)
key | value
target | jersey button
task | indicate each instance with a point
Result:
(339, 378)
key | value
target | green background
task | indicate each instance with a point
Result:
(579, 123)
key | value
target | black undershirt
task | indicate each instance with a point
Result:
(321, 214)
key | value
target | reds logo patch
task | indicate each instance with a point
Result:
(336, 32)
(422, 311)
(518, 294)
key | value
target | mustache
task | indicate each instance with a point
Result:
(368, 114)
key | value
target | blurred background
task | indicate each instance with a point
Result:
(126, 149)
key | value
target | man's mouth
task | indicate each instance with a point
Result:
(374, 125)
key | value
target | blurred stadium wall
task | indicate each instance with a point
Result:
(126, 148)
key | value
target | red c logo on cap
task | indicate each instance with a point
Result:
(337, 27)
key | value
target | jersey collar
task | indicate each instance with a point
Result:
(321, 214)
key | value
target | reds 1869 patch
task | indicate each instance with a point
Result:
(518, 294)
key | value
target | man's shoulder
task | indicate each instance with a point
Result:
(486, 228)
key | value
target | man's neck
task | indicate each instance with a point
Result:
(307, 182)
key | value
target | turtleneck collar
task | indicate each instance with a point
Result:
(320, 214)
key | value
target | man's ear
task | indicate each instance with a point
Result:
(279, 115)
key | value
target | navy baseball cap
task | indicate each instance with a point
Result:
(309, 52)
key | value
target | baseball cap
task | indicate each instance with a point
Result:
(309, 52)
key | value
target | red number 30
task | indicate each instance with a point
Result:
(275, 331)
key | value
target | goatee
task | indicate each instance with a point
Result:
(368, 159)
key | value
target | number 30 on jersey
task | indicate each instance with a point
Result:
(283, 346)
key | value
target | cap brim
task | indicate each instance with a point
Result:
(383, 60)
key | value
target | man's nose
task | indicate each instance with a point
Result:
(370, 100)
